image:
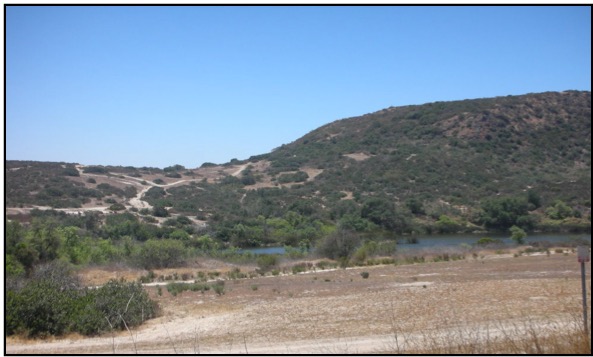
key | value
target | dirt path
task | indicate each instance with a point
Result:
(136, 201)
(340, 312)
(239, 170)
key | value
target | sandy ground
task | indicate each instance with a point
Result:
(339, 312)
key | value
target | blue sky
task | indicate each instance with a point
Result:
(158, 86)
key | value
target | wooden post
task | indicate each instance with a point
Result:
(583, 257)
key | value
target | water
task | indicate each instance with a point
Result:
(453, 241)
(456, 240)
(268, 250)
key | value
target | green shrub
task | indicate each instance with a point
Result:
(161, 253)
(95, 170)
(299, 268)
(48, 307)
(120, 301)
(39, 309)
(365, 274)
(267, 261)
(117, 207)
(324, 264)
(340, 244)
(218, 287)
(488, 241)
(70, 171)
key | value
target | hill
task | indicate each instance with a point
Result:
(439, 167)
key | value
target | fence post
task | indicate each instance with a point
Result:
(583, 257)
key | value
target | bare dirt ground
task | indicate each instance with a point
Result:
(339, 312)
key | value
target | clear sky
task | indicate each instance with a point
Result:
(158, 86)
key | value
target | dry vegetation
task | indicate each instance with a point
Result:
(492, 303)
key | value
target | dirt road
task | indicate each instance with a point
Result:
(395, 310)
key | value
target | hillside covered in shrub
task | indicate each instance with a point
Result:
(443, 167)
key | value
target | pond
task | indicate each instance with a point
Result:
(267, 250)
(455, 240)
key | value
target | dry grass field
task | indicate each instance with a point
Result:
(493, 303)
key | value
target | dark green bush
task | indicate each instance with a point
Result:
(218, 287)
(267, 261)
(340, 244)
(120, 301)
(43, 307)
(70, 171)
(161, 253)
(95, 170)
(39, 309)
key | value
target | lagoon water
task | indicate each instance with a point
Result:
(456, 240)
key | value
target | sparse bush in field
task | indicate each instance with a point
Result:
(213, 274)
(235, 273)
(386, 261)
(266, 261)
(299, 268)
(201, 276)
(343, 262)
(177, 288)
(365, 274)
(325, 264)
(218, 287)
(254, 287)
(413, 259)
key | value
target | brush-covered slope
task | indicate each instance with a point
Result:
(403, 169)
(459, 152)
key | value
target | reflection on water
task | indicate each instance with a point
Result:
(419, 242)
(456, 240)
(268, 250)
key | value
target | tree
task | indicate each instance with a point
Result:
(415, 206)
(559, 210)
(447, 224)
(160, 211)
(45, 239)
(161, 253)
(382, 212)
(534, 199)
(502, 213)
(518, 235)
(338, 245)
(27, 256)
(355, 223)
(14, 235)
